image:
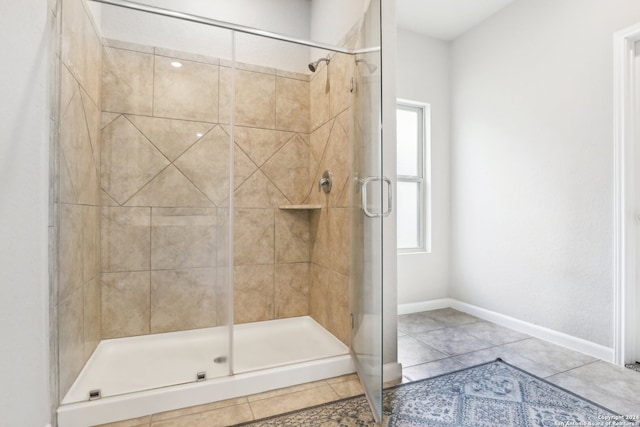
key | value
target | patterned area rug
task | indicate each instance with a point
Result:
(493, 394)
(634, 366)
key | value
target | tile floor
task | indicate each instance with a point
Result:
(431, 343)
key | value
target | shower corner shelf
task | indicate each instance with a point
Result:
(300, 207)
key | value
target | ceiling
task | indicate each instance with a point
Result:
(445, 19)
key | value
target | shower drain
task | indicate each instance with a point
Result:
(220, 359)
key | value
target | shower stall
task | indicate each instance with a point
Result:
(217, 205)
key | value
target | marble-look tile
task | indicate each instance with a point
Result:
(68, 88)
(292, 237)
(258, 191)
(348, 388)
(413, 352)
(170, 188)
(188, 92)
(125, 304)
(451, 342)
(133, 422)
(127, 82)
(221, 417)
(340, 73)
(320, 251)
(291, 290)
(253, 236)
(340, 240)
(75, 144)
(587, 389)
(206, 164)
(508, 355)
(281, 404)
(337, 159)
(451, 317)
(199, 408)
(318, 143)
(418, 322)
(337, 301)
(125, 239)
(288, 169)
(292, 105)
(90, 242)
(492, 333)
(107, 118)
(92, 312)
(183, 238)
(431, 369)
(260, 144)
(293, 75)
(121, 44)
(255, 99)
(253, 293)
(177, 54)
(70, 250)
(171, 137)
(319, 105)
(93, 117)
(182, 299)
(70, 339)
(129, 160)
(318, 290)
(81, 48)
(554, 356)
(243, 166)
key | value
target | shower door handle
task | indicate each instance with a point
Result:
(363, 183)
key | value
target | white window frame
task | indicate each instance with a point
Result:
(424, 181)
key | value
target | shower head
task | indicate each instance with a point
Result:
(370, 67)
(314, 65)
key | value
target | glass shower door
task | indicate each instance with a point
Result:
(368, 210)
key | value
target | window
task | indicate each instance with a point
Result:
(412, 170)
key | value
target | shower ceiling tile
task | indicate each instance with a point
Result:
(259, 192)
(129, 160)
(171, 137)
(182, 299)
(292, 105)
(124, 238)
(188, 92)
(206, 165)
(253, 236)
(291, 290)
(125, 304)
(289, 170)
(253, 293)
(170, 188)
(260, 144)
(127, 82)
(183, 238)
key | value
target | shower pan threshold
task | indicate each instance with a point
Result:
(143, 375)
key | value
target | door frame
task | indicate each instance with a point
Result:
(625, 252)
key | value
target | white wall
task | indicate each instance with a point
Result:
(423, 70)
(288, 17)
(332, 19)
(532, 164)
(24, 173)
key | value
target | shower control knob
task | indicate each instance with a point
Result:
(326, 182)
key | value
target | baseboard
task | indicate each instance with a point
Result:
(417, 307)
(391, 372)
(574, 343)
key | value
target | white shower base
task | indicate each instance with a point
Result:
(153, 373)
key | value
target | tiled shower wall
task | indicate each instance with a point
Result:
(141, 192)
(331, 148)
(165, 180)
(76, 193)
